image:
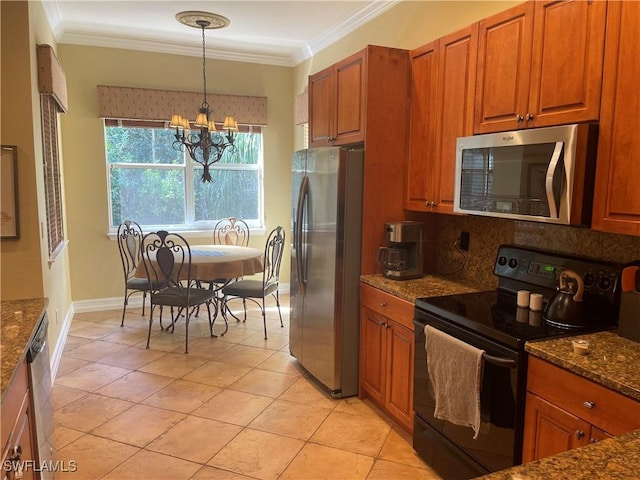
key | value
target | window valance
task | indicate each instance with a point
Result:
(158, 105)
(51, 78)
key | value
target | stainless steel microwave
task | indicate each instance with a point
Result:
(541, 174)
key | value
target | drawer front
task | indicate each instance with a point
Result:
(388, 305)
(606, 409)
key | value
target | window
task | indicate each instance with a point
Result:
(157, 186)
(49, 110)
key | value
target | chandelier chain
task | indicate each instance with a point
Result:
(204, 68)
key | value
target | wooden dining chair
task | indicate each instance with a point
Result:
(256, 290)
(167, 258)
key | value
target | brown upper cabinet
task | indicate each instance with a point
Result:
(616, 205)
(540, 64)
(337, 103)
(443, 93)
(364, 100)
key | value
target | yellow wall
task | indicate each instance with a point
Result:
(26, 271)
(408, 25)
(96, 271)
(20, 259)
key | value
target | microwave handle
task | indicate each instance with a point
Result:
(553, 165)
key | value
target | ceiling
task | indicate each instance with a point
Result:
(261, 31)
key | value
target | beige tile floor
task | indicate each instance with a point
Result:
(234, 407)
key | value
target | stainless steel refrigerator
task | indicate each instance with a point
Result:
(325, 265)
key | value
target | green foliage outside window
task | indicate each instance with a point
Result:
(148, 180)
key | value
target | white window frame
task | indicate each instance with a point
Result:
(191, 228)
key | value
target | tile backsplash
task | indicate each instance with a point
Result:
(486, 234)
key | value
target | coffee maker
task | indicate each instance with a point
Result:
(402, 259)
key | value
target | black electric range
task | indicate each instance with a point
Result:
(494, 314)
(491, 321)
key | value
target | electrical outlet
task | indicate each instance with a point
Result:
(464, 241)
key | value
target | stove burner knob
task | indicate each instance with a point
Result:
(604, 283)
(502, 261)
(513, 263)
(589, 279)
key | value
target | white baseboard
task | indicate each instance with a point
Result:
(56, 355)
(115, 303)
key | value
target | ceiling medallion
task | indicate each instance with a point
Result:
(195, 19)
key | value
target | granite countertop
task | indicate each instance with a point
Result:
(19, 318)
(427, 286)
(612, 361)
(612, 459)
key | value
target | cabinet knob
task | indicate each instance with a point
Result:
(579, 434)
(382, 324)
(593, 440)
(519, 118)
(383, 304)
(529, 116)
(589, 404)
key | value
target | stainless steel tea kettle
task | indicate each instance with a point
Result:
(566, 308)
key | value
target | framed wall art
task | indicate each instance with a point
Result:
(9, 220)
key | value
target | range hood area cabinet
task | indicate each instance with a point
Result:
(616, 204)
(540, 64)
(442, 99)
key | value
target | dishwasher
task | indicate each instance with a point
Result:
(40, 386)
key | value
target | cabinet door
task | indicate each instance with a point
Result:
(399, 393)
(419, 181)
(456, 90)
(504, 66)
(373, 353)
(549, 430)
(567, 58)
(597, 435)
(616, 205)
(321, 107)
(350, 99)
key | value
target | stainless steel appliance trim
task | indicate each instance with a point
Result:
(553, 166)
(301, 257)
(565, 134)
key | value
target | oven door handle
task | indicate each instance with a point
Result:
(499, 361)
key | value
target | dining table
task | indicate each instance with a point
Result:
(211, 262)
(218, 265)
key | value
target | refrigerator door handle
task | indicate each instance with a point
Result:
(301, 256)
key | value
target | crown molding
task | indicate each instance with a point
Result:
(123, 41)
(155, 46)
(358, 19)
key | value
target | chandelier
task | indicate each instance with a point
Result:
(203, 142)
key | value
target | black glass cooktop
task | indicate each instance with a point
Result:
(494, 314)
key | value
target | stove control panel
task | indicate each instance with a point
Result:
(539, 268)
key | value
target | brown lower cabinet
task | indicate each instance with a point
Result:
(16, 427)
(566, 411)
(386, 353)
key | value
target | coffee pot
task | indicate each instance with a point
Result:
(566, 308)
(402, 259)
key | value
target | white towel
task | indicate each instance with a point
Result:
(455, 370)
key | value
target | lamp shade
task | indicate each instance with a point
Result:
(202, 120)
(176, 121)
(230, 124)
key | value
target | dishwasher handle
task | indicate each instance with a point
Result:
(39, 341)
